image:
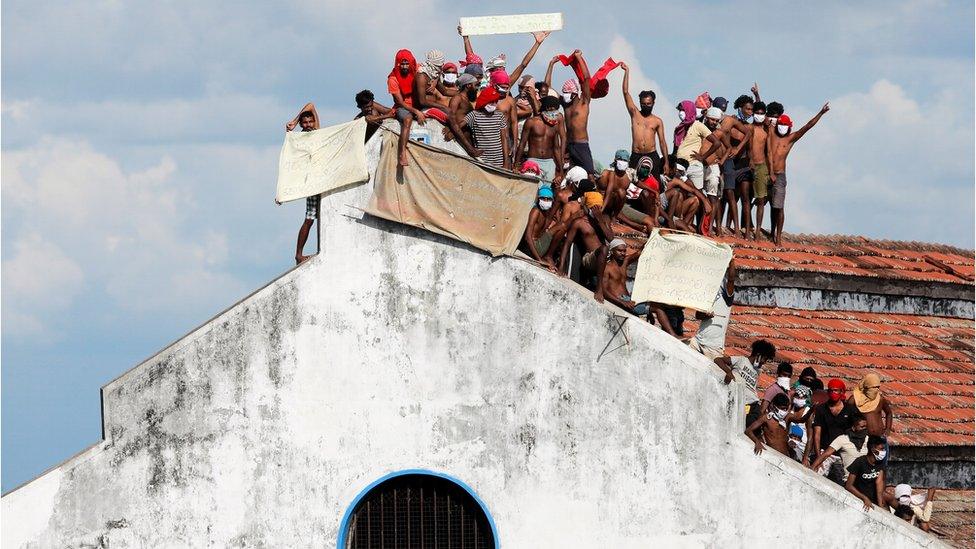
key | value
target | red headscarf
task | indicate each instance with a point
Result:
(404, 82)
(487, 95)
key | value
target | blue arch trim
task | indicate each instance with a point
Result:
(344, 524)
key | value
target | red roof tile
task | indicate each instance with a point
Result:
(925, 362)
(857, 256)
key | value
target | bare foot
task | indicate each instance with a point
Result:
(299, 259)
(598, 298)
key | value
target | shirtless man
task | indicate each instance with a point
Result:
(735, 171)
(615, 278)
(729, 127)
(590, 230)
(428, 89)
(780, 144)
(544, 141)
(540, 241)
(872, 403)
(684, 199)
(461, 104)
(614, 183)
(576, 105)
(773, 426)
(647, 130)
(759, 164)
(373, 112)
(714, 149)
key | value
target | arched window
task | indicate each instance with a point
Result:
(417, 509)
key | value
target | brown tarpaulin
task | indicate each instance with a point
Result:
(452, 195)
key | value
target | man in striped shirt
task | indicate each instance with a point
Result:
(489, 126)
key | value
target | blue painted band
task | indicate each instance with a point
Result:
(347, 516)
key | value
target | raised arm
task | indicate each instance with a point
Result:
(468, 50)
(294, 121)
(755, 91)
(539, 38)
(585, 84)
(813, 122)
(628, 100)
(552, 63)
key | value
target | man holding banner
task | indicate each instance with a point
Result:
(308, 119)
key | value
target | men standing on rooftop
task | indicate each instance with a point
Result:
(544, 141)
(781, 143)
(646, 129)
(308, 120)
(576, 105)
(759, 164)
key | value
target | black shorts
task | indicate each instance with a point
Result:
(580, 155)
(657, 166)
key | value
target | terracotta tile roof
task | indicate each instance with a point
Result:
(926, 362)
(857, 256)
(952, 517)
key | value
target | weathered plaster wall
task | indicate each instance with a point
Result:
(398, 349)
(815, 299)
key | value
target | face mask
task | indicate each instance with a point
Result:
(871, 393)
(773, 119)
(450, 78)
(545, 204)
(490, 107)
(783, 382)
(834, 397)
(472, 95)
(621, 165)
(550, 115)
(698, 112)
(502, 90)
(782, 130)
(799, 402)
(780, 415)
(880, 455)
(646, 110)
(681, 116)
(759, 118)
(567, 98)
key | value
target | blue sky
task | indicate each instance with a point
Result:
(140, 146)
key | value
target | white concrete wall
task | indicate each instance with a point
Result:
(398, 349)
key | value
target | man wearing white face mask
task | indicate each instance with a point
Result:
(490, 129)
(542, 243)
(781, 143)
(784, 376)
(866, 475)
(772, 425)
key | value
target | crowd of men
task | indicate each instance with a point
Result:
(719, 169)
(844, 438)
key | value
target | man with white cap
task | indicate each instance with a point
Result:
(920, 506)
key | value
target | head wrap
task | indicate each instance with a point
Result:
(836, 384)
(471, 58)
(721, 102)
(681, 130)
(592, 199)
(530, 166)
(474, 69)
(497, 62)
(703, 101)
(545, 191)
(616, 243)
(571, 86)
(500, 78)
(714, 113)
(432, 66)
(448, 65)
(622, 154)
(796, 430)
(404, 82)
(867, 400)
(576, 174)
(904, 490)
(487, 95)
(465, 79)
(784, 120)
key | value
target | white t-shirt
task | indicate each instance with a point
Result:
(745, 372)
(711, 332)
(847, 451)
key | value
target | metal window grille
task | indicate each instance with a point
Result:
(419, 512)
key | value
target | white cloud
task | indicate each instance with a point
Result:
(123, 232)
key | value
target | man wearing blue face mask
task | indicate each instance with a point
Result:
(781, 142)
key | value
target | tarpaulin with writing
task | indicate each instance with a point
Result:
(681, 269)
(322, 160)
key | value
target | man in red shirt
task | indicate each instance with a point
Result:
(400, 84)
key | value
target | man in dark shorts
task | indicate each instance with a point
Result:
(576, 105)
(647, 129)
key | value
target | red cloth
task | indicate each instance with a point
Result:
(404, 83)
(437, 114)
(784, 120)
(487, 95)
(599, 87)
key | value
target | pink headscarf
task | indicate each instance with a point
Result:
(681, 129)
(530, 167)
(571, 86)
(499, 78)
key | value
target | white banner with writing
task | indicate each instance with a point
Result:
(322, 160)
(508, 24)
(685, 270)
